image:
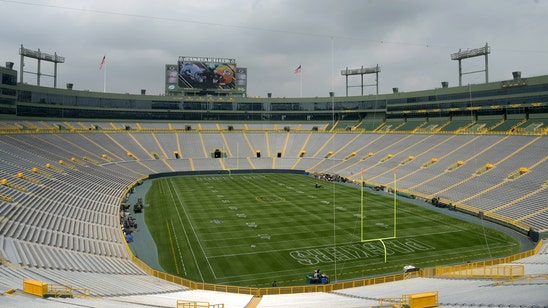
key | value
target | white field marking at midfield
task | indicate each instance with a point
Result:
(347, 233)
(250, 180)
(183, 226)
(250, 177)
(287, 242)
(178, 247)
(261, 188)
(207, 179)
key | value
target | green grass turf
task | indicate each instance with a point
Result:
(252, 229)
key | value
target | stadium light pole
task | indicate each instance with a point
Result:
(39, 56)
(476, 52)
(332, 95)
(395, 210)
(362, 71)
(361, 204)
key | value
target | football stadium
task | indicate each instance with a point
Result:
(205, 197)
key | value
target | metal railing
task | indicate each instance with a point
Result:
(490, 269)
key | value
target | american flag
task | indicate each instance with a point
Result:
(102, 62)
(297, 70)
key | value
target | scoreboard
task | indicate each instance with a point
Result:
(205, 76)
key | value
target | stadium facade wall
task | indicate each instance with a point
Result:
(526, 96)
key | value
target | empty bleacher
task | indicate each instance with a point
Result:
(458, 123)
(67, 221)
(371, 123)
(534, 125)
(412, 124)
(506, 126)
(348, 150)
(391, 125)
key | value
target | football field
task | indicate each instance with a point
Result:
(252, 229)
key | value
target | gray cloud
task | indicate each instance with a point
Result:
(410, 40)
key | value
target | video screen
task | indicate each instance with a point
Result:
(207, 75)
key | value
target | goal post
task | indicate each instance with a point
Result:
(364, 220)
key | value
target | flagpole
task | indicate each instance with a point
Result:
(298, 70)
(361, 204)
(103, 62)
(301, 87)
(395, 195)
(105, 79)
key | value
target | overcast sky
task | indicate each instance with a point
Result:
(410, 40)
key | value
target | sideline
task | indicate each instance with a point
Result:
(143, 245)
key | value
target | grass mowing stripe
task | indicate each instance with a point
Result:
(198, 239)
(192, 223)
(179, 250)
(250, 229)
(170, 189)
(172, 248)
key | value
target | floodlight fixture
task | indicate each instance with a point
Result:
(40, 56)
(471, 53)
(362, 71)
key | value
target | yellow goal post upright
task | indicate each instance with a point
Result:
(362, 214)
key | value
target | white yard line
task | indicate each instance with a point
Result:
(179, 199)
